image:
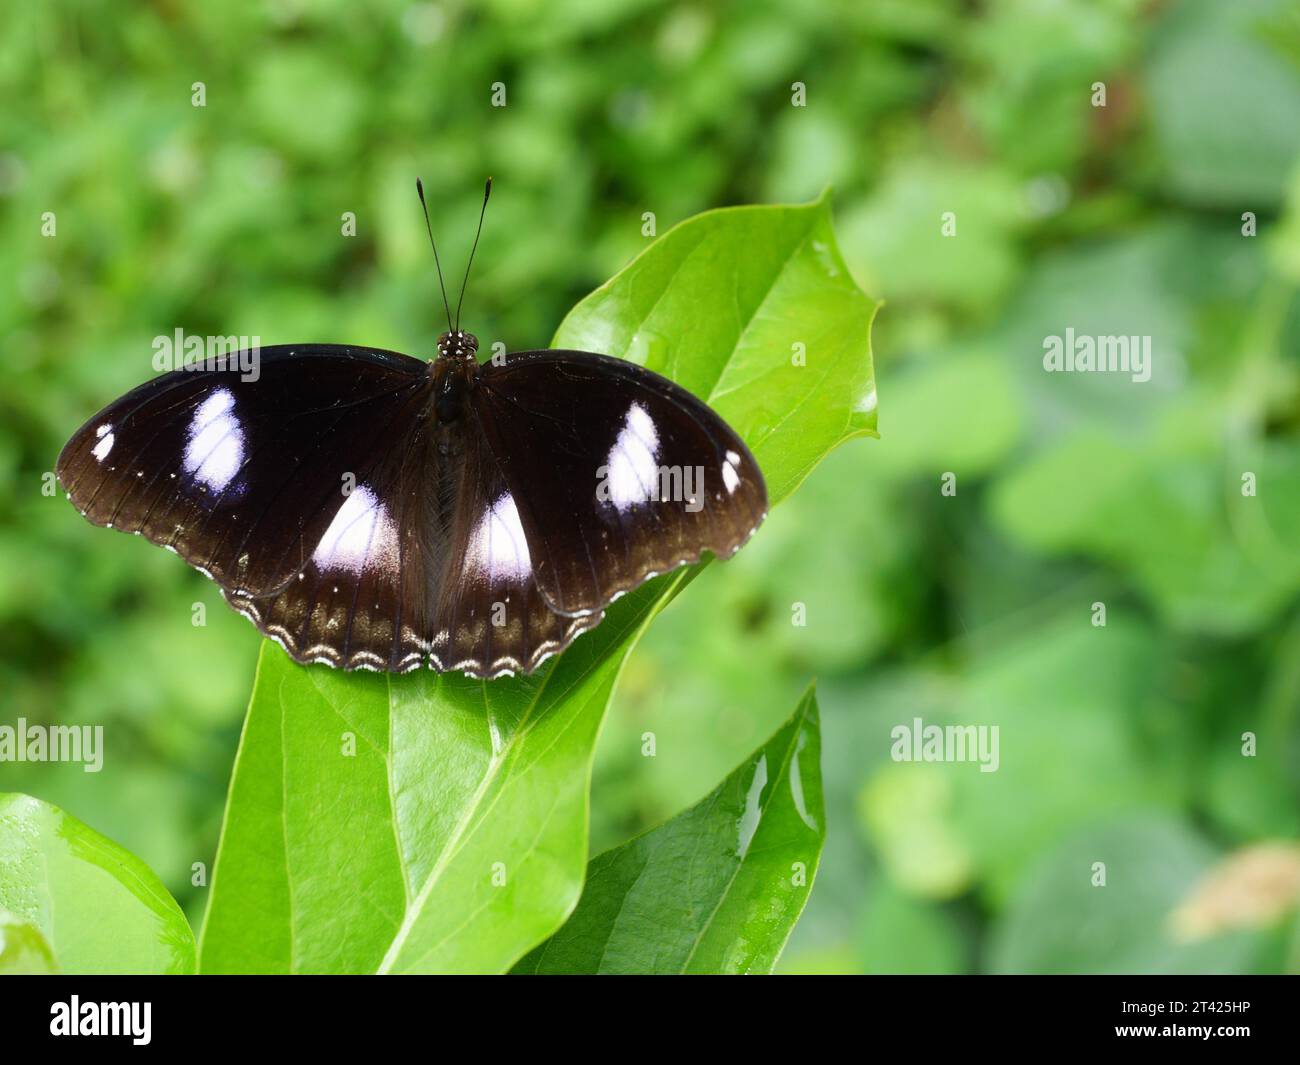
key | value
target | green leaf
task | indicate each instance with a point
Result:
(454, 837)
(719, 887)
(24, 950)
(78, 900)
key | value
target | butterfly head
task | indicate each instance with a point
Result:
(457, 344)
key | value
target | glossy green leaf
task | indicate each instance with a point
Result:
(79, 902)
(433, 823)
(719, 887)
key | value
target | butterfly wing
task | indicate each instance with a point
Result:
(287, 489)
(616, 472)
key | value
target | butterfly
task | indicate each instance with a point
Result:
(371, 510)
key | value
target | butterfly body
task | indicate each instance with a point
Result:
(370, 510)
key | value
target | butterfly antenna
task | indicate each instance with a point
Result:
(419, 188)
(487, 191)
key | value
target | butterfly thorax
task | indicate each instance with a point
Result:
(453, 373)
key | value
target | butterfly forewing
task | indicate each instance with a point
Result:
(617, 473)
(239, 473)
(281, 484)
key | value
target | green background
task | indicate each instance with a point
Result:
(1119, 744)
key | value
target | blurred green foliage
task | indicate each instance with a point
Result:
(1119, 744)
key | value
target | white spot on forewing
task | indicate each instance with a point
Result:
(105, 445)
(633, 461)
(497, 545)
(730, 474)
(730, 478)
(361, 530)
(214, 449)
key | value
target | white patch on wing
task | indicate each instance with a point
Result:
(105, 445)
(730, 478)
(497, 545)
(214, 449)
(633, 461)
(361, 530)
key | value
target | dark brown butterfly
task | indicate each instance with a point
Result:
(371, 510)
